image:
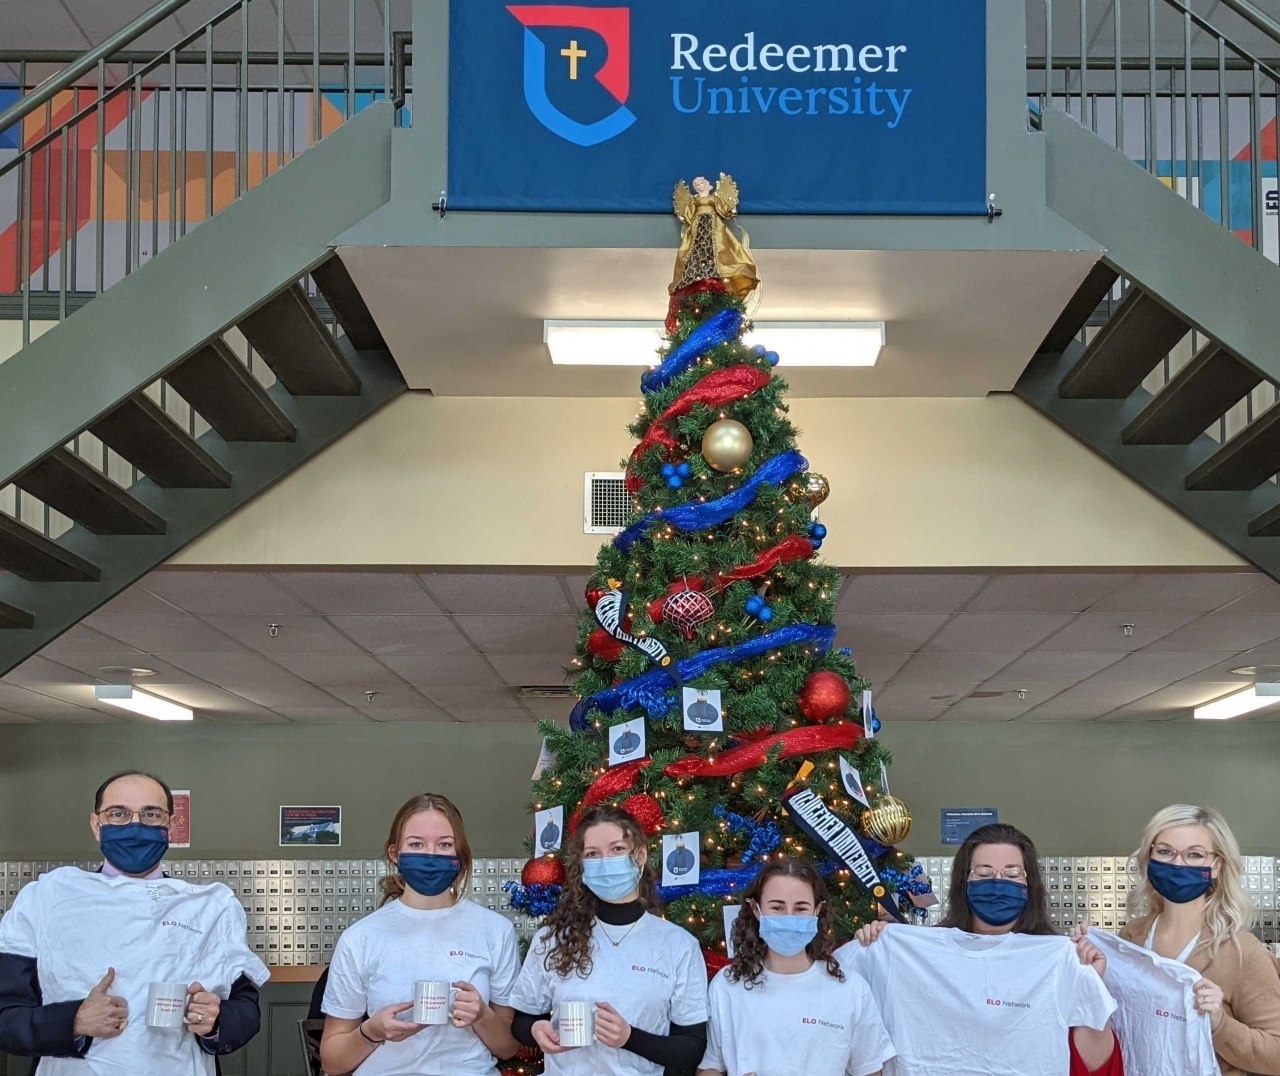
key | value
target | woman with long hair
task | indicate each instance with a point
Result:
(996, 891)
(784, 1004)
(643, 978)
(1192, 907)
(427, 930)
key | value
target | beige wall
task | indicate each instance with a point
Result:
(930, 483)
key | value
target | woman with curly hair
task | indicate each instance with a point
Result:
(783, 1004)
(643, 976)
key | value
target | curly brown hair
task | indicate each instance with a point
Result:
(570, 923)
(749, 948)
(393, 885)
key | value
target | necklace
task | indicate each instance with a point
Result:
(615, 944)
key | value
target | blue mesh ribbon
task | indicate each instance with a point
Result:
(536, 900)
(722, 882)
(716, 330)
(699, 515)
(651, 690)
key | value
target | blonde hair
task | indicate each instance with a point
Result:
(393, 885)
(1228, 910)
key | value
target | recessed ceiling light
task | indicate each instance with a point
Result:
(636, 343)
(547, 691)
(1254, 697)
(1258, 672)
(984, 694)
(128, 697)
(134, 673)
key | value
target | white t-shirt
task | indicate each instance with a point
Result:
(655, 977)
(811, 1024)
(77, 924)
(978, 1005)
(380, 957)
(1160, 1032)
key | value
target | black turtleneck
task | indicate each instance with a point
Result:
(678, 1052)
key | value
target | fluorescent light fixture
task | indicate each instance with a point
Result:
(635, 343)
(1254, 697)
(128, 697)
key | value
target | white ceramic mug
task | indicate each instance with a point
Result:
(432, 1000)
(167, 1005)
(576, 1022)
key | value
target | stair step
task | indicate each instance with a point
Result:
(302, 353)
(12, 617)
(348, 305)
(69, 485)
(1091, 292)
(221, 388)
(152, 442)
(1246, 461)
(1126, 349)
(1266, 525)
(29, 554)
(1196, 396)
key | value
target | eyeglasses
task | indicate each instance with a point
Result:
(1192, 857)
(1009, 874)
(122, 816)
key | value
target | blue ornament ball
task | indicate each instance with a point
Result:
(759, 349)
(875, 724)
(818, 531)
(668, 469)
(817, 543)
(683, 470)
(766, 614)
(675, 481)
(753, 605)
(772, 357)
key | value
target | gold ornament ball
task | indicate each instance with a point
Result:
(726, 444)
(816, 489)
(887, 823)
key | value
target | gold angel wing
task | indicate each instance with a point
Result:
(726, 195)
(682, 200)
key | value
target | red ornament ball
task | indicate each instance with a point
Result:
(686, 609)
(714, 961)
(824, 695)
(602, 645)
(593, 595)
(543, 870)
(645, 810)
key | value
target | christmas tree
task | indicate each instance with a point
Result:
(713, 704)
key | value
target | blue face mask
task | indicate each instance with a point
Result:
(788, 935)
(133, 848)
(426, 874)
(611, 878)
(1179, 884)
(996, 901)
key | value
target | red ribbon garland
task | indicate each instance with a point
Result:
(798, 741)
(715, 390)
(677, 297)
(793, 547)
(612, 782)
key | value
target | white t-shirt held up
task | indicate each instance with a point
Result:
(811, 1024)
(978, 1005)
(76, 924)
(655, 977)
(380, 957)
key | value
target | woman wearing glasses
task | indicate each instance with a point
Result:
(1192, 907)
(996, 891)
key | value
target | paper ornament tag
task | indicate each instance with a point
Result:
(884, 779)
(546, 759)
(626, 741)
(852, 781)
(868, 714)
(702, 710)
(730, 917)
(680, 858)
(548, 830)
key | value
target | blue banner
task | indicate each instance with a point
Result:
(812, 106)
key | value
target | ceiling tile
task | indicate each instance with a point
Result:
(296, 635)
(1104, 632)
(1005, 707)
(455, 670)
(907, 592)
(486, 716)
(556, 710)
(224, 593)
(1219, 632)
(1102, 697)
(521, 634)
(403, 634)
(240, 670)
(920, 697)
(1067, 712)
(337, 670)
(39, 670)
(279, 697)
(137, 600)
(941, 668)
(321, 715)
(887, 633)
(423, 714)
(166, 634)
(1180, 592)
(576, 585)
(1180, 699)
(362, 593)
(210, 700)
(879, 668)
(1150, 667)
(453, 698)
(40, 24)
(1266, 599)
(93, 665)
(523, 669)
(82, 639)
(390, 702)
(1056, 592)
(498, 593)
(27, 703)
(985, 633)
(7, 718)
(1047, 667)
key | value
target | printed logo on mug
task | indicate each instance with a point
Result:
(432, 1000)
(577, 1020)
(166, 1005)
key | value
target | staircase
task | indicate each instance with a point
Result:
(209, 371)
(1167, 359)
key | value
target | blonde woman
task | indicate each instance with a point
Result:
(1192, 907)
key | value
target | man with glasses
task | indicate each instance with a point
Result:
(80, 951)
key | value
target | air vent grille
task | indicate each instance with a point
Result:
(607, 502)
(546, 691)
